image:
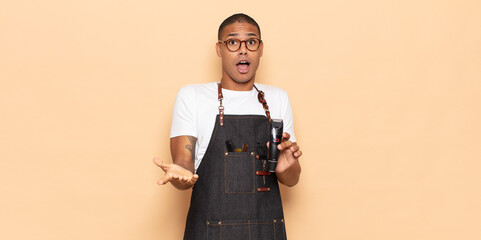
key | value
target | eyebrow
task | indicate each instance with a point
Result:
(236, 34)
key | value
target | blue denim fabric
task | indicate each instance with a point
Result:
(226, 203)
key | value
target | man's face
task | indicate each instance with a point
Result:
(239, 66)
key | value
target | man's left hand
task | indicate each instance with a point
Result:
(289, 155)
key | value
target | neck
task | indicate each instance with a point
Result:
(237, 86)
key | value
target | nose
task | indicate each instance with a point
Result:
(243, 48)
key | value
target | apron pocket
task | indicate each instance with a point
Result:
(249, 230)
(239, 172)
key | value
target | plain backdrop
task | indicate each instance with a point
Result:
(385, 94)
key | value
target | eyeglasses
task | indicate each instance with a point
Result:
(233, 44)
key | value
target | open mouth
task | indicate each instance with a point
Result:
(243, 66)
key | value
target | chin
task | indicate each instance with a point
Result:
(243, 79)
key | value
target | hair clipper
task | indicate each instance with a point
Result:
(275, 139)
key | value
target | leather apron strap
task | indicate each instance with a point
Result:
(260, 97)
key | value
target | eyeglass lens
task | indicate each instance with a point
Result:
(233, 45)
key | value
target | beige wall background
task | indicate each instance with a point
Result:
(386, 97)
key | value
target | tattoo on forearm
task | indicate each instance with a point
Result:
(191, 146)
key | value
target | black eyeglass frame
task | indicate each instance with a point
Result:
(240, 45)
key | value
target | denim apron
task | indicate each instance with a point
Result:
(235, 197)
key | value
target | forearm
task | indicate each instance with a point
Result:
(183, 151)
(290, 177)
(185, 163)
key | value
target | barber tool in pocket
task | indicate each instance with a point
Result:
(230, 147)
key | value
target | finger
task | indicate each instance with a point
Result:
(294, 147)
(285, 145)
(285, 136)
(298, 154)
(194, 179)
(176, 177)
(165, 179)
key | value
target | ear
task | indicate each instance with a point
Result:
(217, 49)
(261, 49)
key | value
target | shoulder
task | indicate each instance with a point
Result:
(197, 89)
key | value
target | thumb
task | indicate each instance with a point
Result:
(157, 161)
(161, 164)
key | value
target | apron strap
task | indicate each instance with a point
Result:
(260, 97)
(221, 108)
(262, 100)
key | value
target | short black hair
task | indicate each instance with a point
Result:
(237, 18)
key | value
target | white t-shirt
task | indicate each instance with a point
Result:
(196, 108)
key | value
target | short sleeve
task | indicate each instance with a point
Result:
(288, 119)
(183, 114)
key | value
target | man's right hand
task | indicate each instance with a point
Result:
(180, 177)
